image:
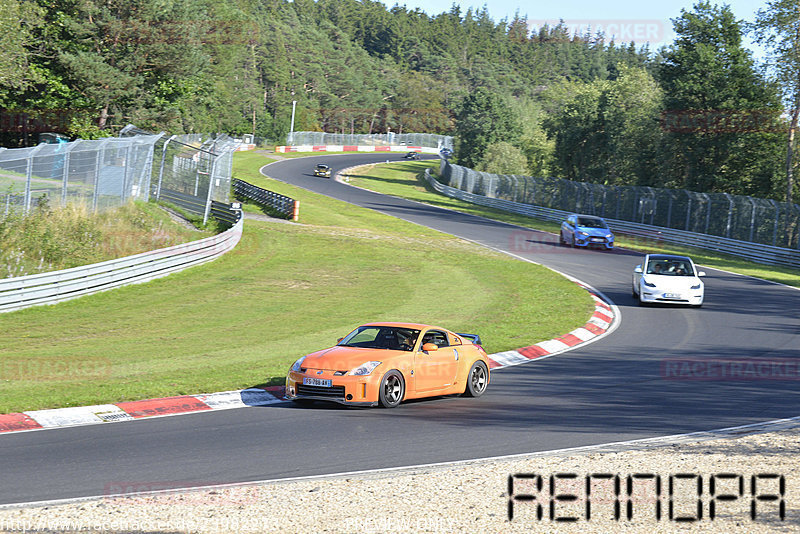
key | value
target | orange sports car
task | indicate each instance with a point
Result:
(386, 363)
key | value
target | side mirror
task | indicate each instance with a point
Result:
(701, 273)
(430, 347)
(638, 269)
(339, 340)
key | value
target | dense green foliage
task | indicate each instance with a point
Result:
(576, 106)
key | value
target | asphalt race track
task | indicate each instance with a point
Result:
(615, 389)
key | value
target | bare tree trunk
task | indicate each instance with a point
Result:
(103, 119)
(790, 149)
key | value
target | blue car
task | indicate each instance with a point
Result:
(586, 231)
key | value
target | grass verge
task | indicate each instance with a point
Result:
(53, 239)
(406, 180)
(284, 291)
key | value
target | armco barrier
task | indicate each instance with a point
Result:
(751, 251)
(57, 286)
(286, 206)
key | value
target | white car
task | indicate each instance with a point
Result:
(668, 279)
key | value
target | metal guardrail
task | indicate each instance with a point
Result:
(191, 203)
(286, 206)
(57, 286)
(744, 249)
(197, 205)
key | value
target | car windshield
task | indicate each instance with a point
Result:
(322, 167)
(670, 267)
(381, 337)
(591, 222)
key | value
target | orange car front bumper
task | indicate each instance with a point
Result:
(344, 389)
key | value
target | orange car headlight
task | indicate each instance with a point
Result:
(364, 369)
(296, 365)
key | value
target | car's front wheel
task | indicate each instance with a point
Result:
(477, 380)
(392, 390)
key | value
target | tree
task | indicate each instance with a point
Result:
(778, 27)
(712, 90)
(483, 118)
(18, 21)
(503, 158)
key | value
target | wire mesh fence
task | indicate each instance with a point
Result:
(194, 164)
(743, 218)
(106, 173)
(101, 173)
(409, 139)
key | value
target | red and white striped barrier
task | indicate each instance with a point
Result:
(128, 411)
(600, 322)
(356, 148)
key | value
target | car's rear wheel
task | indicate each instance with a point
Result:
(392, 390)
(477, 380)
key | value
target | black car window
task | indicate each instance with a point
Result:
(590, 222)
(436, 337)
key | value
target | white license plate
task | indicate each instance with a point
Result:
(597, 240)
(317, 382)
(672, 295)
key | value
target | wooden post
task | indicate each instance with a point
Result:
(296, 212)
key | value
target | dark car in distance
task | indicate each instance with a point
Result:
(322, 170)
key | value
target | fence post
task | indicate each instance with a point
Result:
(752, 218)
(29, 177)
(161, 167)
(98, 163)
(296, 210)
(210, 189)
(688, 209)
(65, 173)
(775, 229)
(147, 170)
(730, 214)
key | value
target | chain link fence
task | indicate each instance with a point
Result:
(101, 174)
(409, 139)
(106, 173)
(737, 217)
(194, 164)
